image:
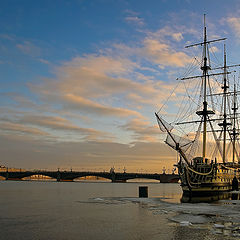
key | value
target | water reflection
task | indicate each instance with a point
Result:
(211, 198)
(235, 196)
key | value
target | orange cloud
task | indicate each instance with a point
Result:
(20, 125)
(21, 129)
(90, 106)
(142, 130)
(114, 85)
(97, 79)
(90, 155)
(162, 54)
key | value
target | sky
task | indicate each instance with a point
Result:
(80, 80)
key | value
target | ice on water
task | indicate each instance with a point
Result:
(222, 217)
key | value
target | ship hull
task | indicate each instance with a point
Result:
(206, 191)
(208, 179)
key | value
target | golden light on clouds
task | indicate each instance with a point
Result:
(95, 107)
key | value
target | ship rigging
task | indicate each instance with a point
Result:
(216, 128)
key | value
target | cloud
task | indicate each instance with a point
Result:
(59, 123)
(96, 108)
(214, 49)
(160, 47)
(7, 36)
(170, 33)
(29, 48)
(28, 153)
(106, 88)
(116, 85)
(163, 54)
(44, 61)
(142, 130)
(21, 129)
(177, 36)
(100, 83)
(132, 17)
(234, 24)
(52, 123)
(115, 90)
(92, 76)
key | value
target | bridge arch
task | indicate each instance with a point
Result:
(91, 178)
(39, 177)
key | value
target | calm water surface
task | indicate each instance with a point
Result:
(103, 210)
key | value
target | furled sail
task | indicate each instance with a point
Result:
(163, 125)
(178, 143)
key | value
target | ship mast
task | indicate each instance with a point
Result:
(224, 123)
(225, 87)
(235, 107)
(205, 112)
(205, 69)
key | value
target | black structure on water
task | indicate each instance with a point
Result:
(143, 191)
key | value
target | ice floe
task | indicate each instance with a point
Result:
(222, 217)
(185, 223)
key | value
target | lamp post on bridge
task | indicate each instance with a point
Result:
(58, 175)
(7, 174)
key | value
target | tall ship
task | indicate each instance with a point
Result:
(204, 130)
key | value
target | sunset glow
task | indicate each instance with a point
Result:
(81, 80)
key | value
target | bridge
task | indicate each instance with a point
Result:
(71, 175)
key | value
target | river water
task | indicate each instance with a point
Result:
(104, 210)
